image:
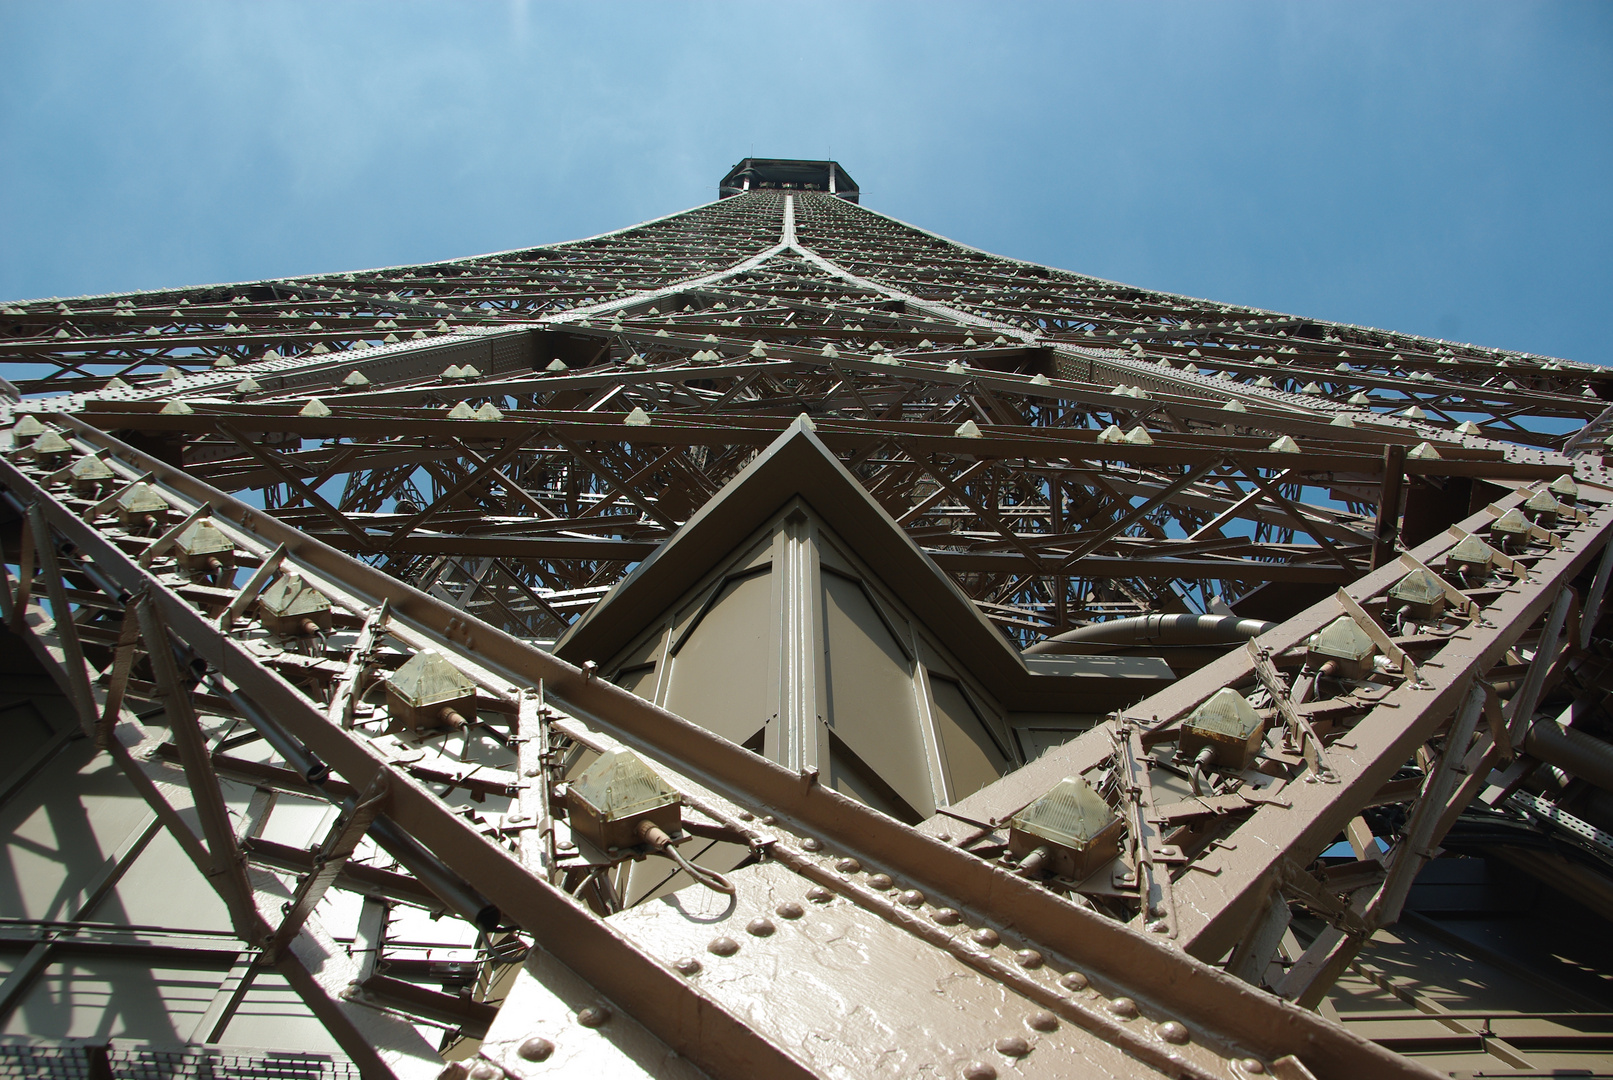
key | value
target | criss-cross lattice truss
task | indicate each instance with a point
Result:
(840, 525)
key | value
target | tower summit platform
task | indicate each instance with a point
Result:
(787, 174)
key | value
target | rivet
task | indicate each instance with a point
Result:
(945, 838)
(1159, 926)
(1123, 1006)
(759, 927)
(985, 936)
(483, 1070)
(880, 881)
(1073, 980)
(789, 910)
(535, 1049)
(723, 946)
(848, 866)
(1043, 1021)
(1028, 958)
(1172, 1032)
(911, 898)
(687, 965)
(592, 1016)
(746, 815)
(946, 916)
(812, 843)
(769, 819)
(1253, 1065)
(979, 1070)
(819, 895)
(1013, 1046)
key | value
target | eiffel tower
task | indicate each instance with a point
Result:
(777, 640)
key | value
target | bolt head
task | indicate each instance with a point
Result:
(789, 910)
(986, 936)
(979, 1070)
(593, 1016)
(911, 898)
(812, 843)
(1123, 1007)
(1013, 1046)
(1073, 980)
(769, 819)
(880, 881)
(1172, 1032)
(723, 946)
(1043, 1021)
(947, 916)
(1028, 958)
(819, 895)
(535, 1049)
(848, 866)
(485, 1070)
(687, 965)
(760, 928)
(1253, 1065)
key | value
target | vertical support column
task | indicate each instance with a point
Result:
(117, 683)
(226, 868)
(1061, 582)
(25, 582)
(1421, 835)
(1389, 494)
(1521, 709)
(800, 710)
(1593, 598)
(62, 616)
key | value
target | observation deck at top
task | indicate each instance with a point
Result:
(787, 174)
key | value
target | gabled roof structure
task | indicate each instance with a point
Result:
(775, 640)
(798, 466)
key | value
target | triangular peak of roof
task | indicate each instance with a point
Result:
(797, 466)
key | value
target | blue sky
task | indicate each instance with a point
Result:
(1439, 168)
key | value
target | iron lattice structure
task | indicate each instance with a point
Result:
(866, 541)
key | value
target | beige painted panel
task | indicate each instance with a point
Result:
(850, 775)
(653, 876)
(639, 680)
(973, 758)
(1036, 741)
(719, 677)
(84, 996)
(163, 888)
(273, 1015)
(26, 729)
(61, 829)
(872, 707)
